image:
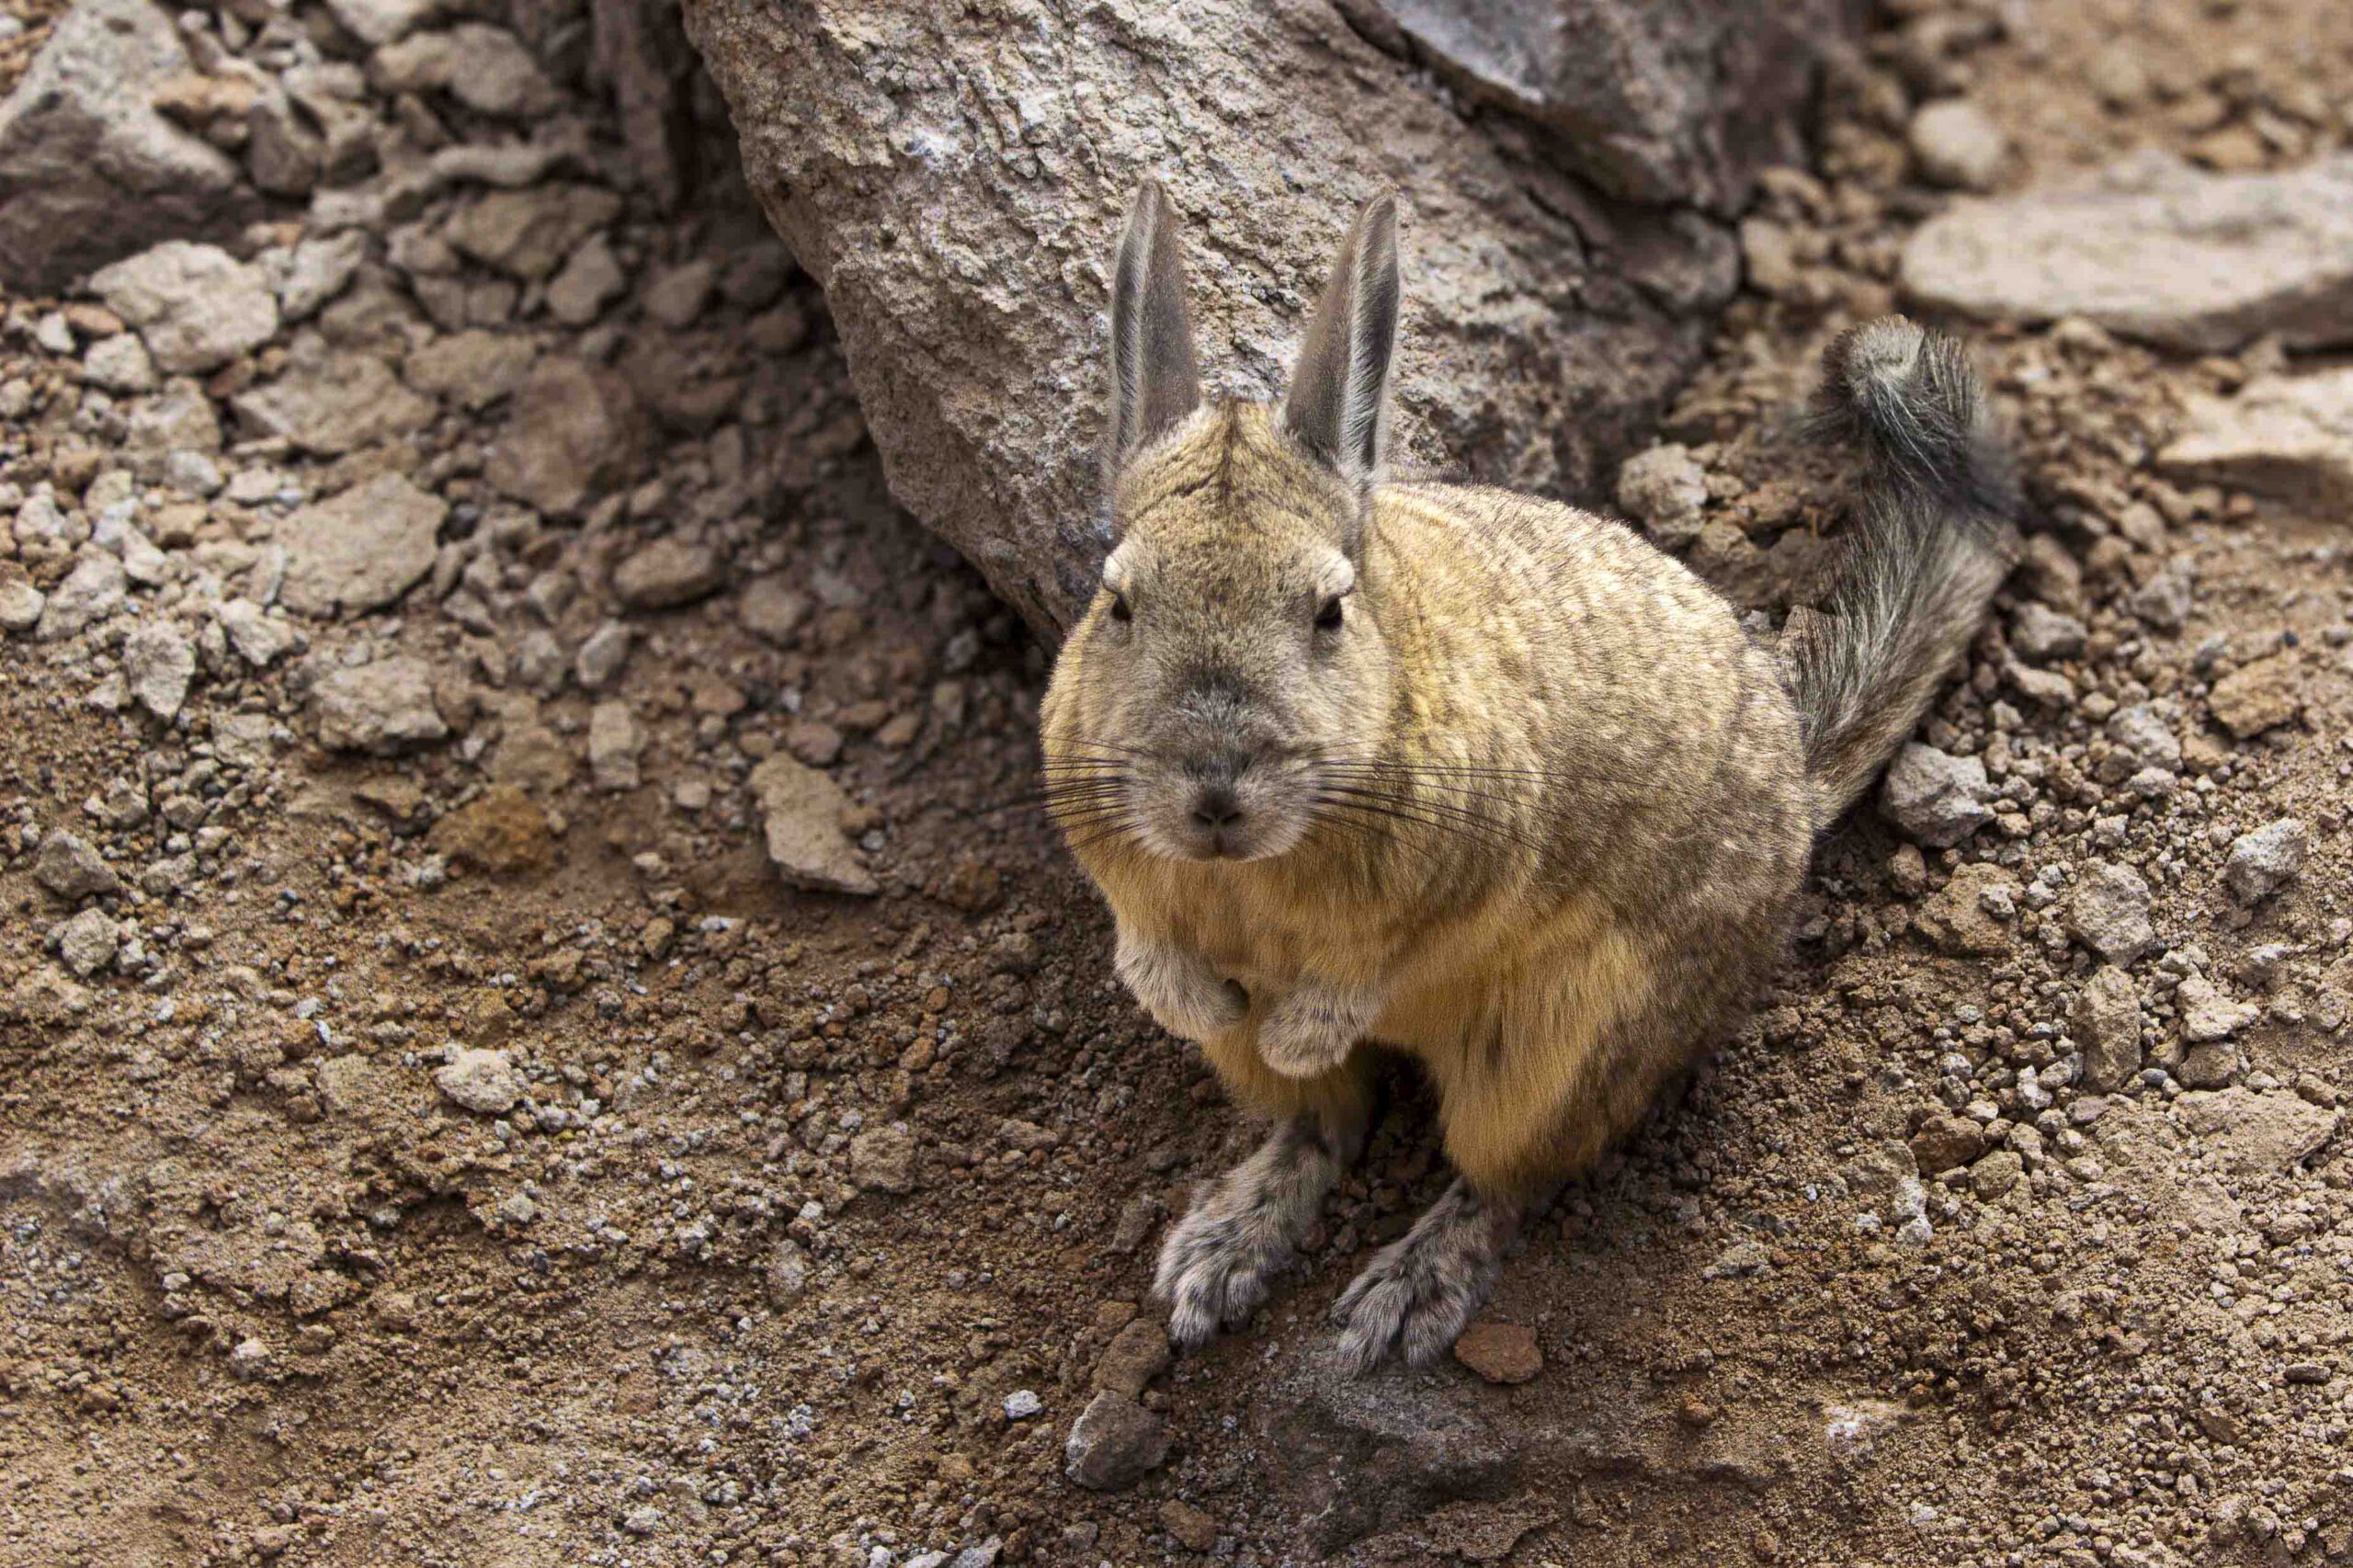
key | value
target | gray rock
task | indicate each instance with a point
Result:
(1664, 489)
(677, 294)
(384, 707)
(89, 171)
(1677, 106)
(258, 639)
(883, 1159)
(2258, 1133)
(20, 603)
(590, 280)
(2286, 437)
(802, 810)
(614, 741)
(1955, 144)
(575, 430)
(93, 590)
(786, 1279)
(307, 275)
(331, 401)
(485, 68)
(2206, 1013)
(361, 550)
(2260, 862)
(1934, 798)
(604, 654)
(2146, 731)
(667, 573)
(120, 364)
(772, 608)
(2106, 1022)
(2109, 913)
(528, 233)
(380, 21)
(484, 1081)
(195, 306)
(1114, 1443)
(89, 942)
(2158, 250)
(159, 664)
(1023, 1404)
(2042, 634)
(472, 369)
(70, 867)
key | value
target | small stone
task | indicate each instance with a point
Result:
(87, 942)
(667, 573)
(529, 233)
(1022, 1404)
(502, 831)
(802, 809)
(2289, 437)
(2208, 1014)
(159, 664)
(1136, 1355)
(70, 867)
(604, 652)
(2208, 1065)
(195, 306)
(1944, 1142)
(483, 67)
(383, 706)
(786, 1279)
(2042, 634)
(1665, 489)
(2256, 697)
(574, 430)
(2307, 1372)
(329, 401)
(2106, 1022)
(1957, 145)
(770, 608)
(1500, 1352)
(257, 639)
(20, 603)
(483, 1081)
(361, 550)
(590, 280)
(93, 590)
(2258, 1131)
(120, 364)
(614, 741)
(1975, 913)
(472, 369)
(677, 295)
(2262, 861)
(883, 1159)
(380, 21)
(2109, 913)
(2146, 732)
(1193, 1529)
(1996, 1173)
(1933, 798)
(1114, 1443)
(2165, 599)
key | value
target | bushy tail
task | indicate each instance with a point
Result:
(1935, 534)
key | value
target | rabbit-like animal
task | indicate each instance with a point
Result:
(1466, 774)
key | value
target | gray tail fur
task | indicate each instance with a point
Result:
(1935, 531)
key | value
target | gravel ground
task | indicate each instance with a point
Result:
(540, 1029)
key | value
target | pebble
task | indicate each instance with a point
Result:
(1137, 1354)
(2208, 1014)
(2287, 436)
(383, 706)
(667, 573)
(195, 306)
(1021, 1405)
(604, 654)
(72, 867)
(2262, 861)
(484, 1081)
(2256, 697)
(93, 590)
(1933, 798)
(88, 941)
(883, 1159)
(159, 664)
(2106, 1021)
(1502, 1352)
(614, 742)
(801, 810)
(1114, 1443)
(2109, 913)
(1665, 489)
(1955, 144)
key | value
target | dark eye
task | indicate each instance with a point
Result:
(1120, 610)
(1329, 619)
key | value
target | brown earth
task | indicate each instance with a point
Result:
(268, 1292)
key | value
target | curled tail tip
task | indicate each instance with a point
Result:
(1907, 398)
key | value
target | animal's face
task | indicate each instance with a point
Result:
(1230, 666)
(1229, 656)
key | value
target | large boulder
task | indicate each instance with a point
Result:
(89, 172)
(957, 186)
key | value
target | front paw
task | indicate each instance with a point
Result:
(1179, 989)
(1312, 1030)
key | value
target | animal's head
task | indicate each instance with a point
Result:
(1230, 657)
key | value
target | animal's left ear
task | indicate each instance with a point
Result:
(1338, 402)
(1153, 383)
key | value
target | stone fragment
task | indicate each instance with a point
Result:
(1137, 1354)
(88, 941)
(590, 280)
(93, 590)
(2106, 1021)
(667, 573)
(472, 368)
(2208, 1014)
(2158, 250)
(89, 171)
(883, 1159)
(485, 68)
(502, 831)
(1934, 798)
(159, 664)
(529, 233)
(1955, 144)
(1944, 1142)
(2261, 861)
(802, 809)
(1114, 1443)
(614, 741)
(361, 550)
(575, 431)
(1993, 1174)
(2109, 913)
(2256, 697)
(483, 1081)
(1665, 489)
(1500, 1352)
(1975, 913)
(383, 706)
(195, 306)
(2258, 1133)
(2286, 437)
(330, 402)
(70, 867)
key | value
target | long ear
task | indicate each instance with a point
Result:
(1338, 403)
(1153, 383)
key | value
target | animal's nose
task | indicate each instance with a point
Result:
(1216, 806)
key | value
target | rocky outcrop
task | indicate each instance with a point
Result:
(89, 171)
(955, 178)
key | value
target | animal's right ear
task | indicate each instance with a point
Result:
(1153, 382)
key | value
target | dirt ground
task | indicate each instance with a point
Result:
(787, 1198)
